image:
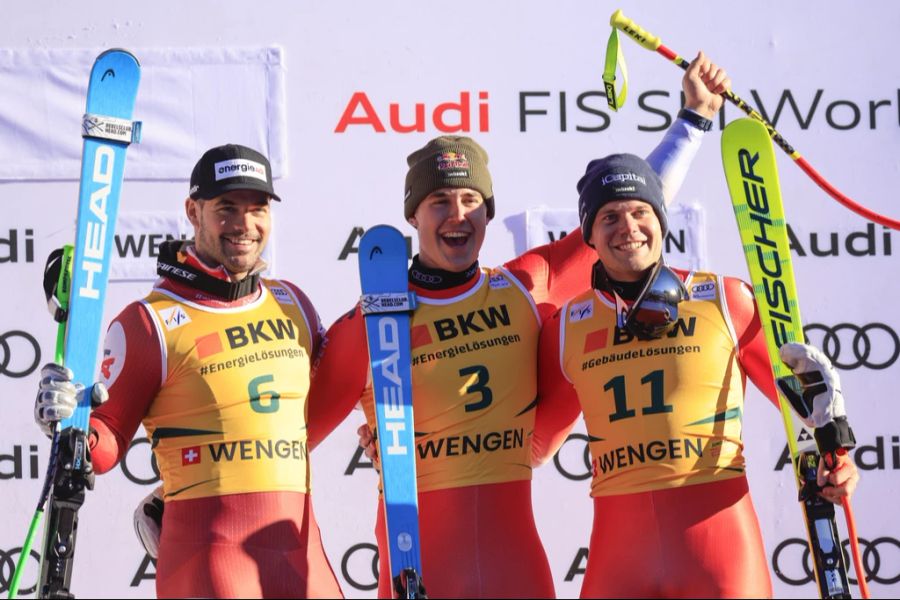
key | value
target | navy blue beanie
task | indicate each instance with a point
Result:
(618, 177)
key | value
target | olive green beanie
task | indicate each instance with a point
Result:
(447, 161)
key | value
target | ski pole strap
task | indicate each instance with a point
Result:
(103, 127)
(614, 59)
(387, 302)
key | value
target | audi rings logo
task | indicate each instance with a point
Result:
(573, 461)
(880, 557)
(136, 470)
(426, 277)
(850, 346)
(17, 359)
(359, 566)
(8, 560)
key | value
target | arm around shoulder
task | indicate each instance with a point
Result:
(339, 376)
(558, 406)
(316, 329)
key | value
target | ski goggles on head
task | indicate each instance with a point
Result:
(655, 310)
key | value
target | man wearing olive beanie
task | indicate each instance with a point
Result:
(447, 161)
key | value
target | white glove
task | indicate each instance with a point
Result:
(148, 521)
(58, 396)
(821, 401)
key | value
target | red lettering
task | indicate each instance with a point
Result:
(397, 126)
(483, 123)
(462, 107)
(447, 117)
(359, 99)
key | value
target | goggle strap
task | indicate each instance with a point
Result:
(622, 310)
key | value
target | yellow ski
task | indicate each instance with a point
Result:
(749, 161)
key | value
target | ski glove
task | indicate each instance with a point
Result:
(367, 441)
(821, 401)
(148, 521)
(58, 396)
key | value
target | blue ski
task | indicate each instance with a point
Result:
(387, 303)
(107, 130)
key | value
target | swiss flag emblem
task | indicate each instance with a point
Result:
(190, 456)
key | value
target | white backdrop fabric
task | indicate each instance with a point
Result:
(332, 90)
(39, 127)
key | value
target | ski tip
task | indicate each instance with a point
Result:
(745, 126)
(384, 230)
(378, 238)
(119, 51)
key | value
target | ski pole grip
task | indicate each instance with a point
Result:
(831, 458)
(635, 31)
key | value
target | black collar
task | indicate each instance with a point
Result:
(438, 279)
(168, 265)
(627, 290)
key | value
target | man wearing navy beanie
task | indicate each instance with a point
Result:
(618, 177)
(656, 359)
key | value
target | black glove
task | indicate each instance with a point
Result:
(51, 279)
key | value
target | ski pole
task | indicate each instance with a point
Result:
(831, 462)
(653, 43)
(63, 284)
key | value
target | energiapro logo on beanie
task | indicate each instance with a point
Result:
(228, 168)
(240, 166)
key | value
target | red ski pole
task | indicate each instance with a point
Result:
(652, 42)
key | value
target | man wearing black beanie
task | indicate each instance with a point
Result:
(217, 527)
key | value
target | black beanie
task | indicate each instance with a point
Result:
(231, 167)
(618, 177)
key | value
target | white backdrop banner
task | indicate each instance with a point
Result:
(684, 246)
(181, 94)
(368, 84)
(139, 235)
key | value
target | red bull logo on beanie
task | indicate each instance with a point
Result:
(455, 163)
(240, 167)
